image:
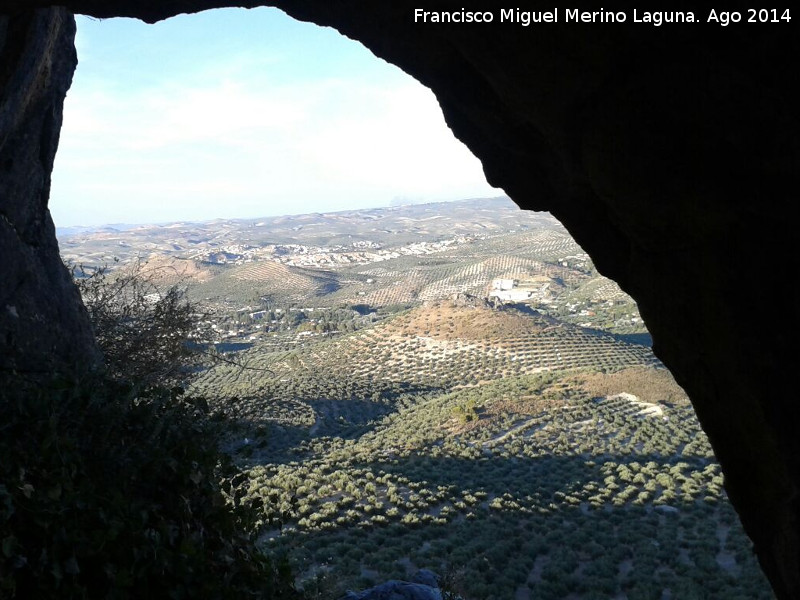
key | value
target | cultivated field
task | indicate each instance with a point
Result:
(454, 387)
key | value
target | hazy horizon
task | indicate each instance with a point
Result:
(126, 225)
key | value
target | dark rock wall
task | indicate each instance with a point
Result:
(670, 153)
(43, 325)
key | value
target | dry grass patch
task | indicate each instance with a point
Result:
(443, 320)
(648, 384)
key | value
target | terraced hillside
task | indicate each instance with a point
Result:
(435, 347)
(280, 283)
(375, 258)
(554, 485)
(395, 280)
(450, 387)
(522, 456)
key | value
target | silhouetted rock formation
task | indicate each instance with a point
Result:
(670, 153)
(43, 325)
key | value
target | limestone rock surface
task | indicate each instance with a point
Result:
(43, 325)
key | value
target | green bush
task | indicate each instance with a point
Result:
(107, 492)
(143, 328)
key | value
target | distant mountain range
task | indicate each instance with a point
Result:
(408, 210)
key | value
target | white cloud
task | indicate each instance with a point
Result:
(228, 147)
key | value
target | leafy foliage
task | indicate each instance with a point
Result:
(143, 328)
(108, 492)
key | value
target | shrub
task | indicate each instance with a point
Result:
(109, 492)
(143, 328)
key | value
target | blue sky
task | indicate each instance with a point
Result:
(240, 113)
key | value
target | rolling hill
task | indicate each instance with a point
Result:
(448, 386)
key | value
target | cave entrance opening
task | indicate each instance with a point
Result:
(227, 140)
